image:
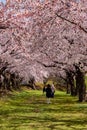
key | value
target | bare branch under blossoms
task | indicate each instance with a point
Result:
(72, 22)
(47, 65)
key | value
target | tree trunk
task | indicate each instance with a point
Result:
(68, 88)
(72, 86)
(80, 84)
(82, 89)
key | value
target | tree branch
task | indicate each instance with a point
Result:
(50, 65)
(72, 22)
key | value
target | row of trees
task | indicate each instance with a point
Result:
(75, 80)
(45, 36)
(9, 81)
(42, 37)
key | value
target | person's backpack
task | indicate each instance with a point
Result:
(53, 89)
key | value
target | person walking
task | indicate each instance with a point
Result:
(49, 93)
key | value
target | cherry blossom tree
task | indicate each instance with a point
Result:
(42, 37)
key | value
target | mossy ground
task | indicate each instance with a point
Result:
(28, 110)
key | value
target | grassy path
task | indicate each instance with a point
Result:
(27, 110)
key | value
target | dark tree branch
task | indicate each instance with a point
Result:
(50, 65)
(3, 26)
(72, 22)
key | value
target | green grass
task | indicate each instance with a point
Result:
(28, 110)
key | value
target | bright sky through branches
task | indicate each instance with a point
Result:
(3, 1)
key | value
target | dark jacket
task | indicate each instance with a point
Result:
(49, 92)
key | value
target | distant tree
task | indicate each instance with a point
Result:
(80, 83)
(70, 82)
(32, 82)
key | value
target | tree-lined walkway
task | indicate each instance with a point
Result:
(28, 110)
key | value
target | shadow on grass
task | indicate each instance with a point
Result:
(26, 103)
(29, 110)
(49, 122)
